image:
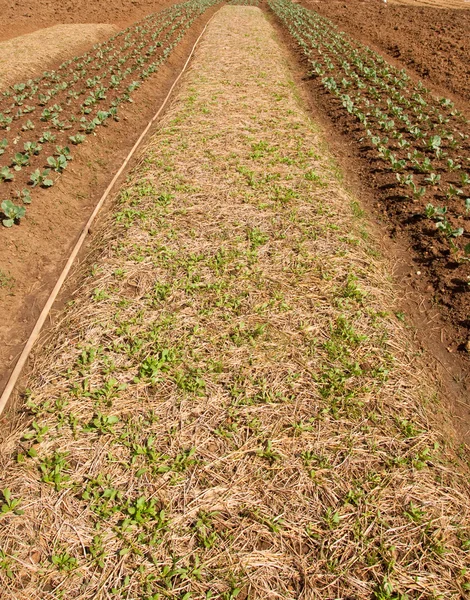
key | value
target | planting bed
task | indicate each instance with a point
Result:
(43, 117)
(412, 146)
(231, 407)
(433, 42)
(32, 253)
(27, 55)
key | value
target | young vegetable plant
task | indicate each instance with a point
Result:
(58, 164)
(6, 174)
(77, 139)
(41, 178)
(20, 160)
(32, 148)
(12, 213)
(24, 195)
(47, 136)
(28, 126)
(433, 179)
(10, 504)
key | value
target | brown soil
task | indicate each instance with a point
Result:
(33, 255)
(26, 55)
(460, 4)
(434, 42)
(24, 16)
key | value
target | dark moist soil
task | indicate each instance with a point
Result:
(37, 253)
(432, 324)
(433, 42)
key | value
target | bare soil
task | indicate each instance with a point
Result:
(433, 42)
(460, 4)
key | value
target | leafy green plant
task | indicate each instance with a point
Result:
(24, 195)
(464, 179)
(37, 434)
(52, 469)
(58, 163)
(32, 148)
(6, 174)
(433, 179)
(10, 504)
(20, 160)
(64, 562)
(41, 178)
(102, 423)
(77, 139)
(28, 126)
(47, 136)
(12, 212)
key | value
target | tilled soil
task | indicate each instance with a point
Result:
(442, 277)
(19, 17)
(27, 55)
(32, 255)
(434, 42)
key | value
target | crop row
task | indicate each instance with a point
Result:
(422, 141)
(245, 2)
(43, 117)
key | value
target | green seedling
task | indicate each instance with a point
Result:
(12, 212)
(6, 174)
(77, 139)
(453, 165)
(58, 164)
(41, 178)
(32, 148)
(28, 126)
(37, 434)
(433, 179)
(52, 470)
(20, 160)
(102, 423)
(47, 136)
(464, 179)
(9, 504)
(64, 562)
(453, 191)
(434, 142)
(24, 195)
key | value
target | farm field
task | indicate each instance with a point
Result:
(230, 407)
(254, 383)
(458, 4)
(24, 56)
(79, 123)
(433, 42)
(26, 16)
(440, 40)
